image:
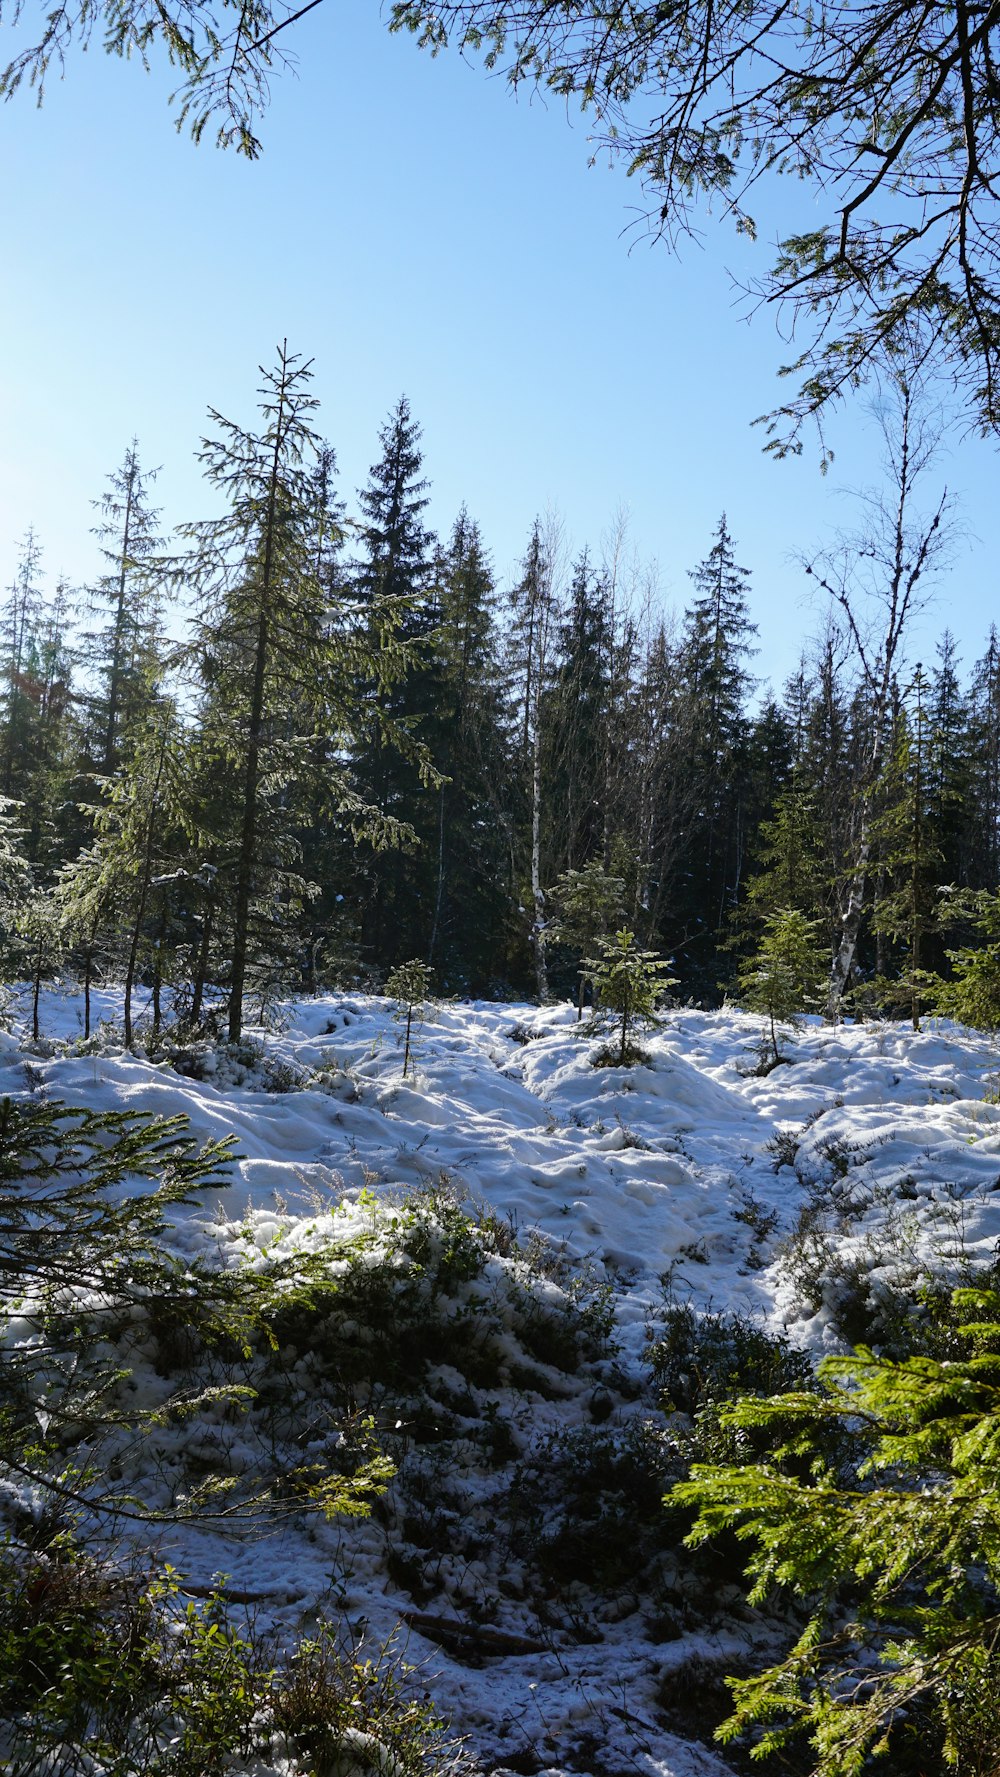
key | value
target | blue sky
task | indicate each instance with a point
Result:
(412, 228)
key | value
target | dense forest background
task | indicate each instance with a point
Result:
(362, 749)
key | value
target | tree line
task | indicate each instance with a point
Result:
(364, 750)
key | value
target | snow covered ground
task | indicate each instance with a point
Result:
(678, 1181)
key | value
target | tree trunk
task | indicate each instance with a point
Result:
(439, 894)
(114, 683)
(537, 897)
(145, 880)
(201, 967)
(255, 732)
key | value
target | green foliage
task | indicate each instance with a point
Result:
(586, 904)
(972, 996)
(696, 1359)
(586, 1506)
(907, 909)
(429, 1283)
(88, 1286)
(791, 869)
(897, 1559)
(115, 1671)
(786, 973)
(409, 984)
(628, 985)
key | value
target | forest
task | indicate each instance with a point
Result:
(498, 1145)
(306, 745)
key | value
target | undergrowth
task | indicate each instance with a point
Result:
(120, 1672)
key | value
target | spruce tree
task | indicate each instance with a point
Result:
(576, 716)
(126, 604)
(984, 783)
(951, 765)
(287, 681)
(716, 645)
(628, 985)
(586, 905)
(20, 622)
(534, 610)
(393, 586)
(469, 846)
(783, 976)
(877, 1507)
(903, 834)
(665, 794)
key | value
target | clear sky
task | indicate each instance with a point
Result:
(413, 229)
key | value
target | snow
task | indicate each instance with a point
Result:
(652, 1173)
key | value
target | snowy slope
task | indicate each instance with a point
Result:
(666, 1176)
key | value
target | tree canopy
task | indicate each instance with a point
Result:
(890, 114)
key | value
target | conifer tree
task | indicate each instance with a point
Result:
(127, 597)
(894, 1551)
(715, 647)
(984, 749)
(791, 870)
(393, 584)
(251, 568)
(409, 984)
(125, 880)
(19, 626)
(287, 682)
(783, 976)
(907, 909)
(85, 898)
(576, 717)
(950, 765)
(666, 796)
(470, 845)
(533, 618)
(586, 904)
(628, 985)
(972, 996)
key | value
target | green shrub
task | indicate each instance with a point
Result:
(696, 1359)
(89, 1289)
(898, 1565)
(586, 1506)
(111, 1672)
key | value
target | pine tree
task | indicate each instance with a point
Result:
(470, 845)
(903, 833)
(628, 985)
(409, 984)
(783, 976)
(586, 905)
(533, 618)
(394, 587)
(124, 652)
(715, 646)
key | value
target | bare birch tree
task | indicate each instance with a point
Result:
(879, 577)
